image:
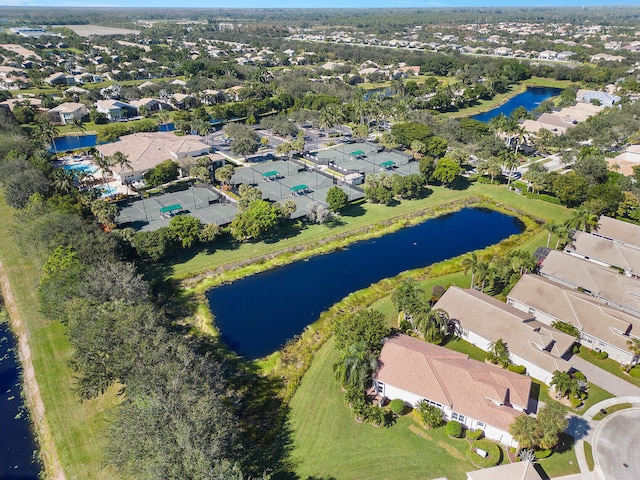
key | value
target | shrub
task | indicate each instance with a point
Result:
(600, 355)
(543, 453)
(475, 434)
(576, 348)
(494, 454)
(376, 415)
(397, 406)
(454, 429)
(575, 402)
(521, 369)
(431, 416)
(566, 328)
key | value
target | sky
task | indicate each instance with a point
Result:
(314, 3)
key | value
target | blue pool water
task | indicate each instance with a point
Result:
(74, 142)
(80, 167)
(107, 191)
(166, 127)
(18, 451)
(528, 99)
(258, 314)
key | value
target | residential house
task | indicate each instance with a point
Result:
(600, 282)
(548, 55)
(617, 230)
(116, 111)
(66, 112)
(565, 55)
(627, 160)
(504, 51)
(549, 121)
(151, 104)
(482, 320)
(593, 96)
(182, 101)
(58, 78)
(508, 471)
(601, 327)
(476, 394)
(148, 149)
(605, 252)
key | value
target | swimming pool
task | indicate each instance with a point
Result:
(107, 191)
(80, 167)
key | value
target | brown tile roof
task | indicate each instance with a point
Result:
(606, 251)
(492, 319)
(602, 282)
(474, 389)
(618, 230)
(586, 313)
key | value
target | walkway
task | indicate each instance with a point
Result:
(604, 379)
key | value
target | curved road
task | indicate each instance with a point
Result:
(615, 446)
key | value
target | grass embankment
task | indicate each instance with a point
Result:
(588, 454)
(612, 409)
(78, 429)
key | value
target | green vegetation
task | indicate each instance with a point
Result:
(588, 453)
(612, 409)
(493, 454)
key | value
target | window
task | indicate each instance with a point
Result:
(479, 425)
(458, 417)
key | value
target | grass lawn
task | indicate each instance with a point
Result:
(78, 429)
(608, 365)
(588, 453)
(612, 409)
(329, 443)
(359, 216)
(486, 105)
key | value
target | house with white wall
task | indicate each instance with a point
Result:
(482, 319)
(66, 112)
(604, 252)
(617, 230)
(476, 394)
(602, 328)
(603, 283)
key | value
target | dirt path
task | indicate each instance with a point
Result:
(53, 469)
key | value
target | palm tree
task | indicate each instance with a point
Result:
(552, 228)
(103, 163)
(122, 161)
(407, 297)
(470, 263)
(47, 132)
(224, 174)
(434, 325)
(355, 366)
(564, 235)
(63, 180)
(582, 219)
(482, 273)
(634, 347)
(499, 353)
(562, 382)
(78, 126)
(510, 162)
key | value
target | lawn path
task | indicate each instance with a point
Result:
(52, 467)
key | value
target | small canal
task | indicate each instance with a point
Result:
(18, 452)
(529, 99)
(258, 314)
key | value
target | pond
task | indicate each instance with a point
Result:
(74, 142)
(18, 452)
(258, 314)
(529, 99)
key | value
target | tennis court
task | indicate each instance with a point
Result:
(366, 159)
(154, 212)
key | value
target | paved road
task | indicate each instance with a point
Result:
(615, 446)
(611, 383)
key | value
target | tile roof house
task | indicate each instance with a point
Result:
(601, 327)
(476, 394)
(115, 110)
(482, 320)
(607, 253)
(617, 230)
(148, 149)
(600, 282)
(66, 112)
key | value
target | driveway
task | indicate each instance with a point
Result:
(611, 383)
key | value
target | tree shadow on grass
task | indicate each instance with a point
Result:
(460, 183)
(354, 211)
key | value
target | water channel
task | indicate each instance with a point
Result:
(18, 453)
(258, 314)
(529, 99)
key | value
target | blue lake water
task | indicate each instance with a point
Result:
(258, 314)
(529, 99)
(74, 142)
(18, 453)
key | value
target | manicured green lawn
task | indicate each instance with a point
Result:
(608, 365)
(78, 429)
(588, 453)
(329, 443)
(359, 216)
